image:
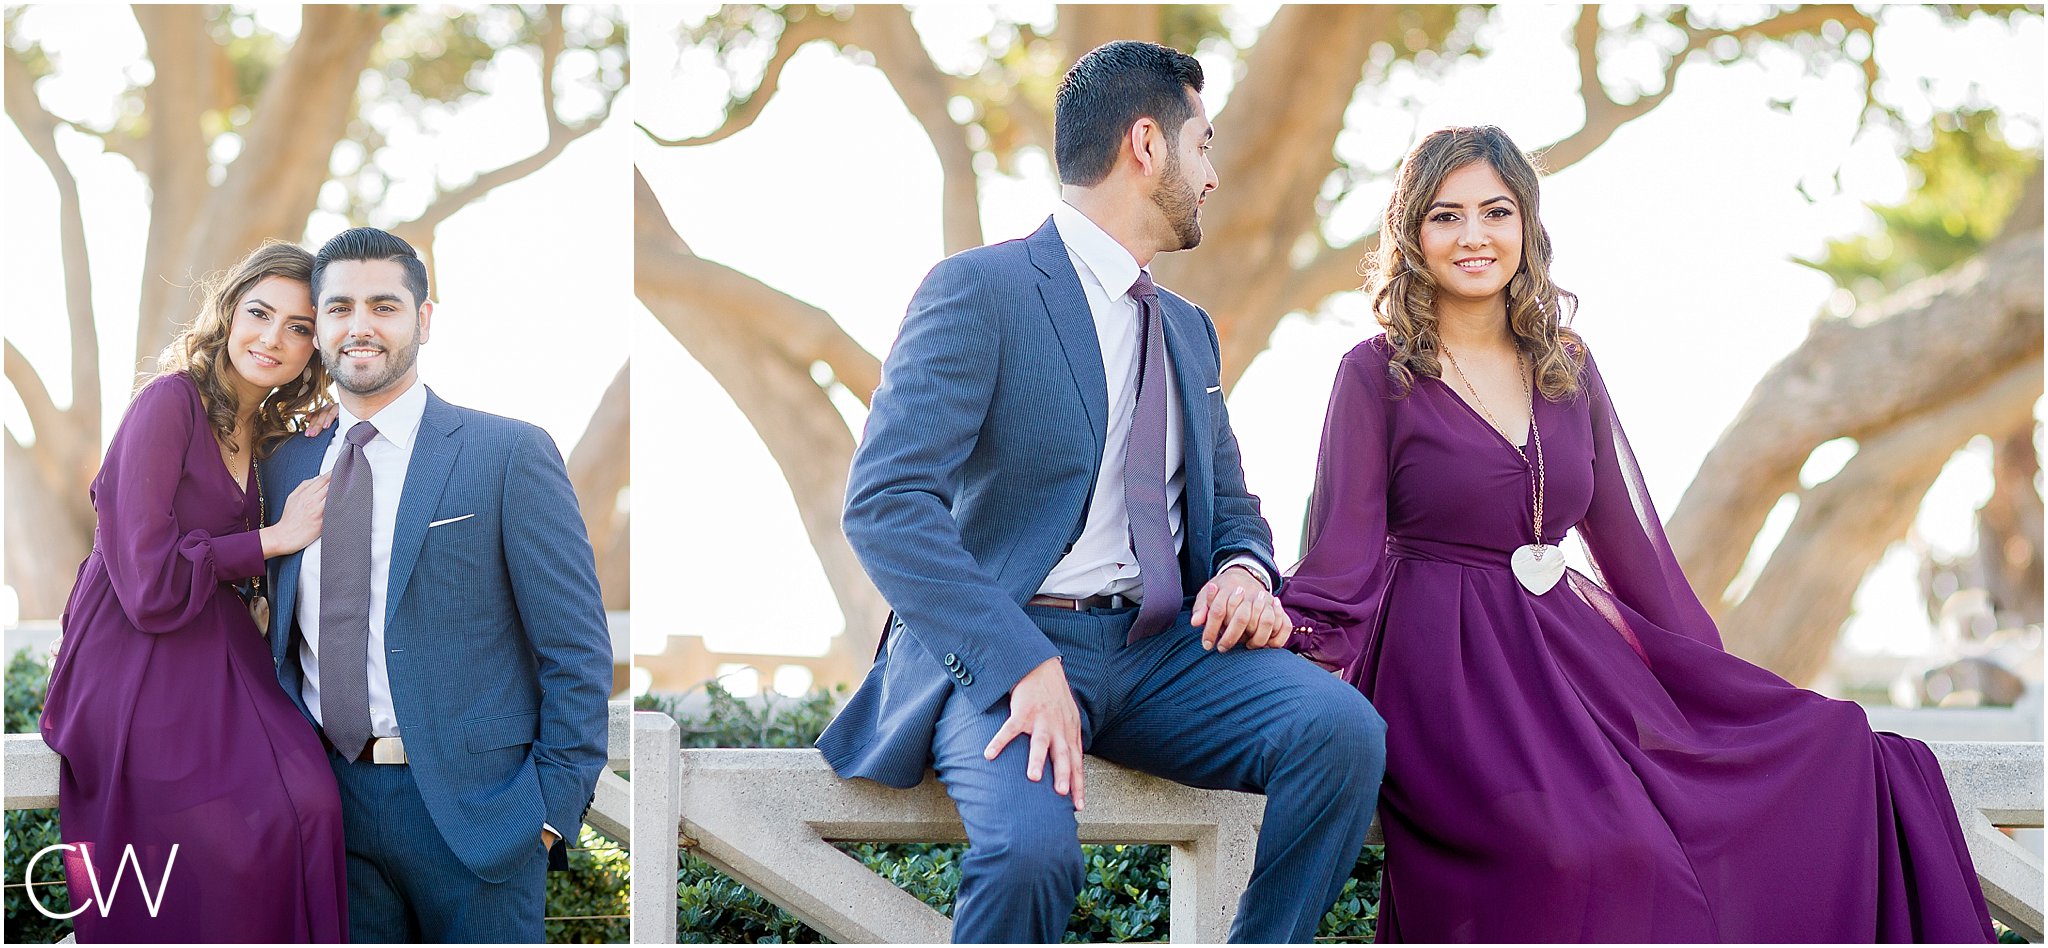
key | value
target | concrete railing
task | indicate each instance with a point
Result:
(769, 818)
(31, 776)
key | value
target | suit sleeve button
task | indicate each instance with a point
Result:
(967, 679)
(952, 660)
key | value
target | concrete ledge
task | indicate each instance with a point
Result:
(769, 818)
(31, 776)
(1998, 785)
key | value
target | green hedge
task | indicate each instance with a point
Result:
(1125, 899)
(594, 889)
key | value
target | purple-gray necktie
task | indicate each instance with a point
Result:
(1145, 473)
(345, 599)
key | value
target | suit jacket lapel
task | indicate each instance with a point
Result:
(1187, 345)
(1074, 322)
(433, 458)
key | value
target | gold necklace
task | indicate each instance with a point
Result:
(1537, 566)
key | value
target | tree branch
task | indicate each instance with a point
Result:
(742, 113)
(885, 30)
(560, 136)
(39, 127)
(1788, 621)
(1856, 377)
(1333, 270)
(800, 333)
(1605, 116)
(43, 414)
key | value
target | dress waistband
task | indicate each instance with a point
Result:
(1444, 551)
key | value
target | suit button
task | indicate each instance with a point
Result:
(952, 660)
(967, 679)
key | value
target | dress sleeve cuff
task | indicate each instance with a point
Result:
(238, 556)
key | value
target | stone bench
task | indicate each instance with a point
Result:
(768, 818)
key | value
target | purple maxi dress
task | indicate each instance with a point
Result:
(166, 708)
(1589, 764)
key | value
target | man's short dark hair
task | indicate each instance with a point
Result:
(1110, 88)
(369, 243)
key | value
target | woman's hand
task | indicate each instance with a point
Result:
(320, 420)
(299, 525)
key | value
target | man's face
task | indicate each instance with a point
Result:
(370, 326)
(1187, 178)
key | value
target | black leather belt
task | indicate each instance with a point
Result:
(1112, 601)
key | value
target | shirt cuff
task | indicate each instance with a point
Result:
(1252, 565)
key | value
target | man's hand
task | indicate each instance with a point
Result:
(547, 840)
(1043, 706)
(1236, 607)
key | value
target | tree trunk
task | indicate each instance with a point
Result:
(1298, 82)
(1790, 620)
(273, 186)
(695, 300)
(600, 468)
(1941, 361)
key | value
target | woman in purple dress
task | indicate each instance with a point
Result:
(1568, 759)
(182, 755)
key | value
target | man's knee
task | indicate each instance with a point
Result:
(1043, 851)
(1342, 731)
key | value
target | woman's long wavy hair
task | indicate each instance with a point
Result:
(200, 351)
(1404, 293)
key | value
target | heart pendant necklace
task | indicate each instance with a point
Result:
(1537, 566)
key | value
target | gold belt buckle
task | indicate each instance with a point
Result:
(387, 750)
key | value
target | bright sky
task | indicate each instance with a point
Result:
(1677, 235)
(535, 294)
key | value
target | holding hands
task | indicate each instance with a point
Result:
(1235, 607)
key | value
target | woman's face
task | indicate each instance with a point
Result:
(1472, 235)
(271, 337)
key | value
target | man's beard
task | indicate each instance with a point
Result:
(1181, 203)
(397, 362)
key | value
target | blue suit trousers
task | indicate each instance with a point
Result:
(405, 886)
(1262, 721)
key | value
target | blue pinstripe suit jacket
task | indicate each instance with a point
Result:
(499, 655)
(974, 477)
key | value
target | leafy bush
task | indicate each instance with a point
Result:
(28, 831)
(591, 904)
(594, 889)
(1125, 899)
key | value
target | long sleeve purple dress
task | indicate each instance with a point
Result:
(166, 708)
(1588, 764)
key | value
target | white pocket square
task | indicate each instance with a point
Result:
(1213, 389)
(450, 520)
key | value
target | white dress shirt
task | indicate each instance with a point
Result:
(389, 455)
(1102, 561)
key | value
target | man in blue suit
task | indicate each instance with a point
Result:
(1047, 472)
(445, 633)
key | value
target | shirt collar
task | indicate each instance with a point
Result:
(398, 422)
(1111, 265)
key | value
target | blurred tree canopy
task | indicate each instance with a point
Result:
(241, 133)
(1979, 306)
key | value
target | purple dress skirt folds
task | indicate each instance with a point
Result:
(165, 706)
(1588, 764)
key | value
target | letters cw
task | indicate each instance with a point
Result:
(104, 900)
